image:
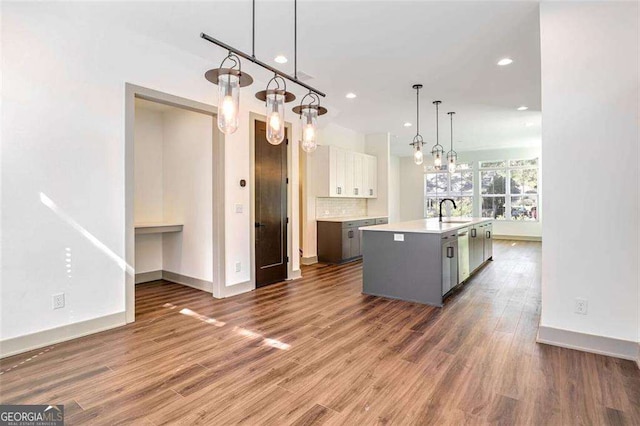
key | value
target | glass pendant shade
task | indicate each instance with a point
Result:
(452, 165)
(309, 110)
(275, 118)
(309, 128)
(418, 157)
(437, 158)
(228, 103)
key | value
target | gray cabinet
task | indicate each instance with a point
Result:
(449, 263)
(476, 247)
(340, 242)
(488, 241)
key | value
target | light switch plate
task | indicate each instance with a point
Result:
(238, 208)
(398, 237)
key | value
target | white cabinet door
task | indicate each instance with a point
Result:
(358, 175)
(371, 177)
(337, 172)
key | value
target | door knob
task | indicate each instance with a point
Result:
(258, 224)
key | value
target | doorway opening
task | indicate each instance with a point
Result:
(174, 183)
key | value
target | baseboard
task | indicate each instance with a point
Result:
(145, 277)
(601, 345)
(196, 283)
(40, 339)
(238, 288)
(309, 260)
(517, 237)
(295, 275)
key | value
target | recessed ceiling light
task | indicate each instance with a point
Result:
(407, 124)
(505, 61)
(350, 95)
(281, 59)
(522, 108)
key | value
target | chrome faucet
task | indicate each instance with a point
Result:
(442, 201)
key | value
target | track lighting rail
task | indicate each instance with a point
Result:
(260, 63)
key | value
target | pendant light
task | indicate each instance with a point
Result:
(229, 81)
(452, 156)
(309, 113)
(274, 101)
(438, 150)
(418, 142)
(231, 78)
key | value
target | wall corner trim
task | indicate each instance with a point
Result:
(602, 345)
(40, 339)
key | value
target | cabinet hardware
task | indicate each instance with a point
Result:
(355, 191)
(488, 234)
(370, 191)
(338, 190)
(473, 233)
(450, 252)
(350, 234)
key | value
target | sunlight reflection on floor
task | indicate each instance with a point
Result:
(274, 343)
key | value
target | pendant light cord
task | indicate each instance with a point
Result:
(253, 29)
(417, 111)
(437, 128)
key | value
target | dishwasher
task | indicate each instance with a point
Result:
(463, 255)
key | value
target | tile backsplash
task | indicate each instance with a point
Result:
(340, 207)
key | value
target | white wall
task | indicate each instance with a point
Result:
(63, 136)
(188, 193)
(342, 137)
(412, 189)
(590, 172)
(378, 145)
(148, 206)
(394, 189)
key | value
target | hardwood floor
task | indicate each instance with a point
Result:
(317, 351)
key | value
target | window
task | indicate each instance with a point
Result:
(439, 184)
(509, 189)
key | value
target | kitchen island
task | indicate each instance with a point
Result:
(424, 260)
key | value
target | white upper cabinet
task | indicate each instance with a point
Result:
(371, 176)
(342, 173)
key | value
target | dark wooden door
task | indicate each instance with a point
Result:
(271, 208)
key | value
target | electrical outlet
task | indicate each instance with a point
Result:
(238, 267)
(58, 301)
(239, 208)
(581, 306)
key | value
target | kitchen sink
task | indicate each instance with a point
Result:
(456, 220)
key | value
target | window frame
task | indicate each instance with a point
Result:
(508, 195)
(448, 193)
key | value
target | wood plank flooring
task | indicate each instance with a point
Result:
(317, 351)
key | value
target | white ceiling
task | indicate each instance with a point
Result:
(379, 49)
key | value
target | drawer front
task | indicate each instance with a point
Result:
(450, 235)
(350, 224)
(382, 221)
(367, 222)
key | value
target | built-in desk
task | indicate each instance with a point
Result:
(157, 228)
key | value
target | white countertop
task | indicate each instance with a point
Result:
(348, 219)
(426, 226)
